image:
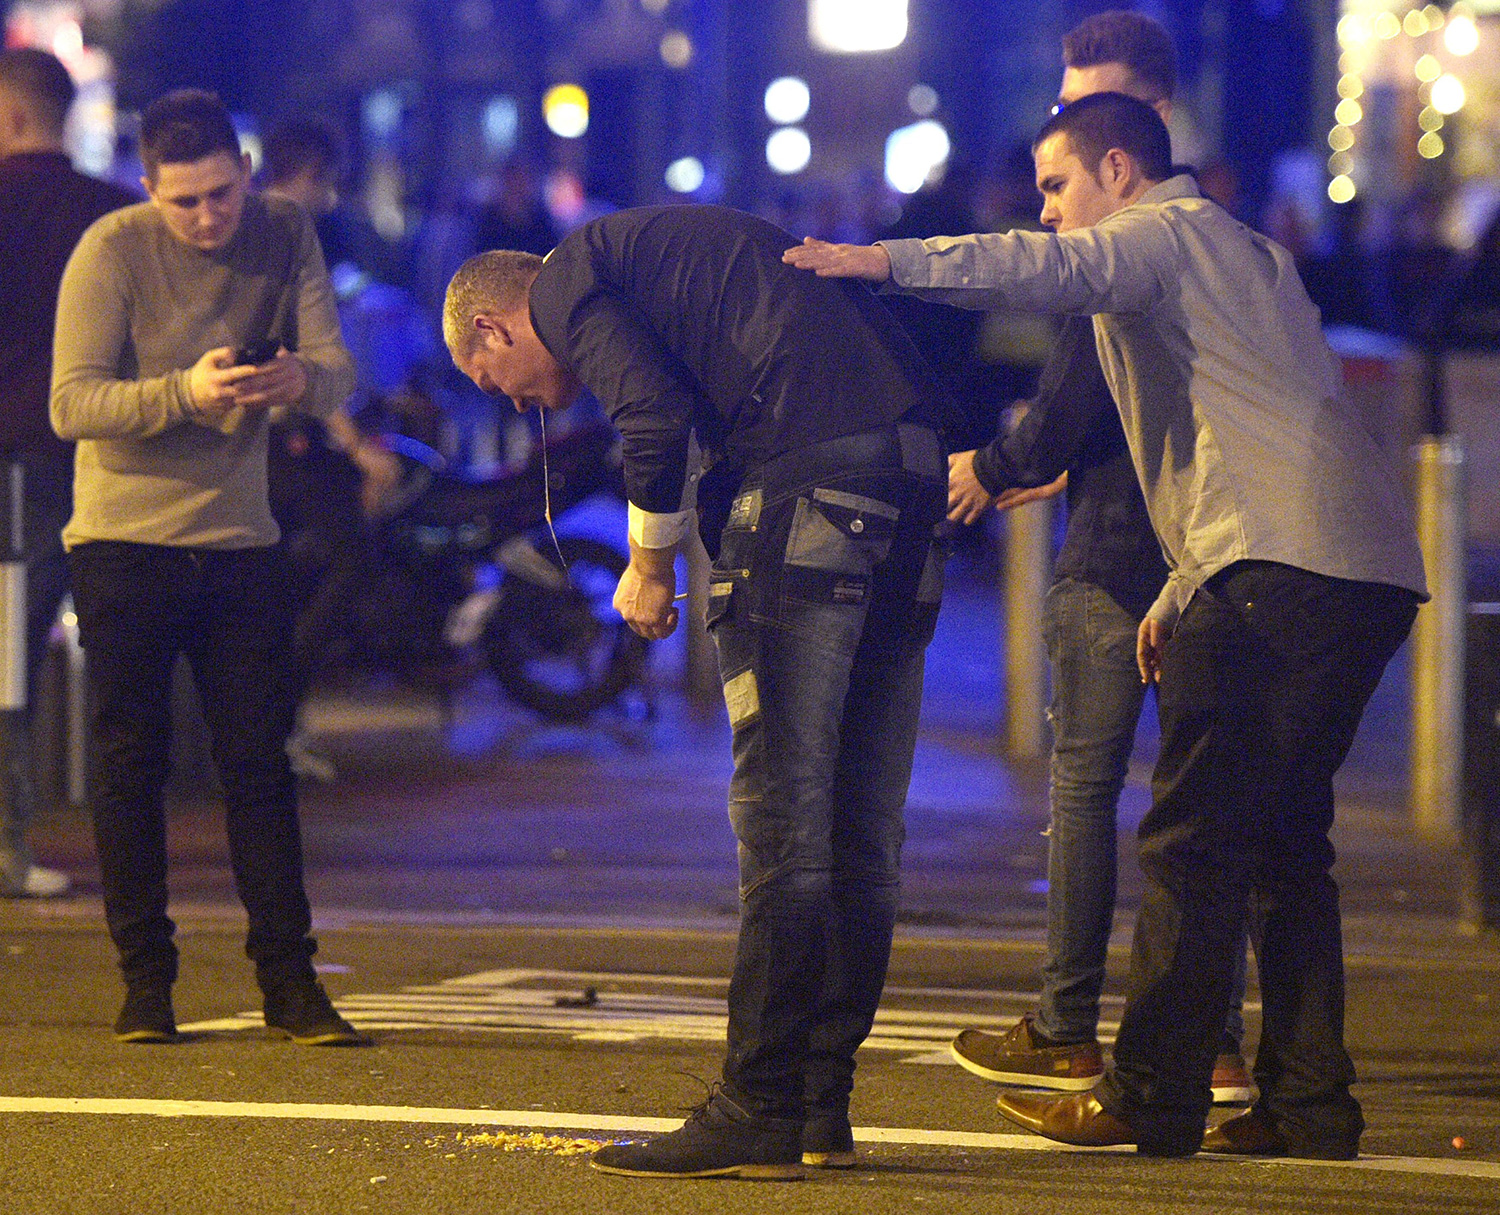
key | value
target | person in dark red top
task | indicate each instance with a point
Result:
(45, 204)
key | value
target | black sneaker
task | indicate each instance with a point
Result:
(300, 1009)
(719, 1139)
(147, 1014)
(828, 1141)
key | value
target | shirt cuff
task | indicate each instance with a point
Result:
(1171, 603)
(653, 529)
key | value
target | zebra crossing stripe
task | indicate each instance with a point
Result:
(630, 1007)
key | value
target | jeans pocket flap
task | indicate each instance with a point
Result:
(839, 531)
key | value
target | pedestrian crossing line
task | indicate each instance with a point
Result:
(618, 1124)
(614, 1007)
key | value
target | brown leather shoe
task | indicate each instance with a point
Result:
(1245, 1134)
(1076, 1118)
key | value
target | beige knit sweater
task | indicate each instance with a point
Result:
(136, 310)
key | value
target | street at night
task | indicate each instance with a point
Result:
(535, 925)
(487, 471)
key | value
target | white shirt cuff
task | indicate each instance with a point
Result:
(650, 529)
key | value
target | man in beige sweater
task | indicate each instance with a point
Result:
(172, 548)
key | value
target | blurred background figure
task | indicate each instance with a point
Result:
(326, 477)
(45, 205)
(514, 215)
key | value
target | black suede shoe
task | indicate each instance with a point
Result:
(719, 1139)
(147, 1014)
(300, 1009)
(828, 1141)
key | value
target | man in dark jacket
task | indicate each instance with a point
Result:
(45, 205)
(824, 483)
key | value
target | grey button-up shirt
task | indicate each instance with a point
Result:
(1244, 442)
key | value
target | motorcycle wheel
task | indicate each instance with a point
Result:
(565, 652)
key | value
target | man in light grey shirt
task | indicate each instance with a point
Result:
(1295, 576)
(180, 323)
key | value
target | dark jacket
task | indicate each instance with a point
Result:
(683, 319)
(1072, 426)
(45, 205)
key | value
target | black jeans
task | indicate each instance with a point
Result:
(139, 606)
(1262, 686)
(822, 601)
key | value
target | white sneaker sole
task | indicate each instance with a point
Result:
(1067, 1084)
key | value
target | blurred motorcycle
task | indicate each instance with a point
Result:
(467, 571)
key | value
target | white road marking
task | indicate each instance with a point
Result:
(630, 1007)
(615, 1123)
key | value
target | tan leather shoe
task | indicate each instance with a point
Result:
(1076, 1118)
(1244, 1135)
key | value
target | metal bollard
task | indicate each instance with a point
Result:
(701, 669)
(13, 597)
(77, 709)
(1027, 572)
(1438, 641)
(1479, 898)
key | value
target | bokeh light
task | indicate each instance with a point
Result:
(853, 26)
(1341, 189)
(685, 175)
(676, 50)
(915, 154)
(788, 150)
(787, 100)
(922, 100)
(1461, 36)
(566, 110)
(1448, 95)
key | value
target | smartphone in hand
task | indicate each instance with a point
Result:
(256, 352)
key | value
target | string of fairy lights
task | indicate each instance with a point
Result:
(1437, 40)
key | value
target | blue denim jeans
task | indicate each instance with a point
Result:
(822, 601)
(139, 606)
(1097, 695)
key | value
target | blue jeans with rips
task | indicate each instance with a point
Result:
(822, 601)
(1097, 696)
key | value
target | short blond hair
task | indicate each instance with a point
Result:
(497, 281)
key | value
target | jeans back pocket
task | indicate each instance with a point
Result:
(840, 532)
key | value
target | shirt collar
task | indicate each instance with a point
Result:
(1183, 185)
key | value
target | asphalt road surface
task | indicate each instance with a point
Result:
(535, 925)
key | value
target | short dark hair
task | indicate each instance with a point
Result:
(297, 144)
(42, 81)
(1132, 39)
(183, 126)
(1101, 121)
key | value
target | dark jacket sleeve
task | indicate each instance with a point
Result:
(1057, 422)
(651, 398)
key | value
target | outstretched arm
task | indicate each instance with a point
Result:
(827, 260)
